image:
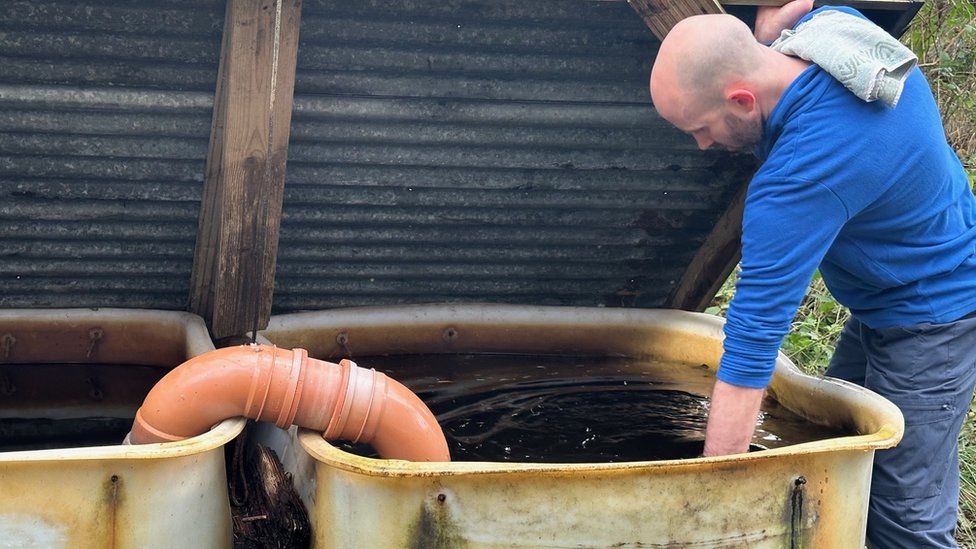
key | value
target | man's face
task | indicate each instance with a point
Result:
(722, 129)
(714, 122)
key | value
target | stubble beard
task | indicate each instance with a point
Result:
(744, 134)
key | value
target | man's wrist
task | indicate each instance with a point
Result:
(731, 419)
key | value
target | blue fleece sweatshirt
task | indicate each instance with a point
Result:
(873, 195)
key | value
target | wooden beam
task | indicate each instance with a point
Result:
(899, 27)
(240, 213)
(713, 262)
(661, 15)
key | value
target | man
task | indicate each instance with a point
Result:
(874, 197)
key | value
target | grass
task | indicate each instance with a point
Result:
(815, 329)
(943, 36)
(966, 529)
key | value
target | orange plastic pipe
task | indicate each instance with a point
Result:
(343, 401)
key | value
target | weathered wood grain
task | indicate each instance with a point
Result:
(240, 215)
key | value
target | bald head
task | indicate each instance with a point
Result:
(698, 59)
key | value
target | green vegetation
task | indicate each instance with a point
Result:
(943, 35)
(815, 329)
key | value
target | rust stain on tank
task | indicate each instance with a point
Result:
(434, 528)
(113, 499)
(95, 336)
(798, 528)
(7, 342)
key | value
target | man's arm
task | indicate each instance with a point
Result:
(781, 249)
(731, 419)
(772, 20)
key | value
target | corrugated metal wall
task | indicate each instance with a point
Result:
(441, 151)
(105, 111)
(498, 151)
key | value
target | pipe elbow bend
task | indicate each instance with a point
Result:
(387, 415)
(343, 401)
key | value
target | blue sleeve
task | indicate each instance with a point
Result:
(787, 227)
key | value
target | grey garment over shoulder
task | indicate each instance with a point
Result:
(862, 56)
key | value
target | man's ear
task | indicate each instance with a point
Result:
(741, 100)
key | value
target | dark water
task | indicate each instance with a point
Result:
(573, 410)
(44, 433)
(44, 406)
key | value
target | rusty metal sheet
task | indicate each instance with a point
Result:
(105, 114)
(486, 151)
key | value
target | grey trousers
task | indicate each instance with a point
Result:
(928, 371)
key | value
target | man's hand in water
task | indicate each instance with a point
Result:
(731, 419)
(771, 20)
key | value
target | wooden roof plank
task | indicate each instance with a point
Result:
(661, 15)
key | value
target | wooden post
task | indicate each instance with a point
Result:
(661, 15)
(240, 213)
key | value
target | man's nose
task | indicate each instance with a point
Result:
(704, 143)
